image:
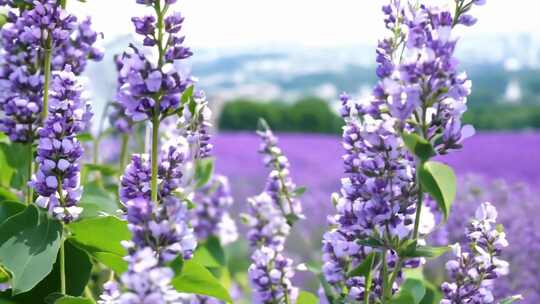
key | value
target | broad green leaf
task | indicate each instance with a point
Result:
(16, 157)
(73, 300)
(10, 208)
(433, 295)
(78, 269)
(97, 201)
(418, 146)
(210, 254)
(439, 181)
(7, 172)
(29, 244)
(114, 261)
(307, 298)
(7, 195)
(412, 291)
(102, 234)
(3, 19)
(196, 279)
(204, 168)
(364, 268)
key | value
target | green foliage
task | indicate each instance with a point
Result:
(72, 300)
(439, 181)
(210, 254)
(16, 162)
(96, 201)
(310, 115)
(306, 298)
(204, 169)
(364, 268)
(418, 146)
(29, 245)
(504, 116)
(101, 238)
(195, 278)
(412, 291)
(10, 208)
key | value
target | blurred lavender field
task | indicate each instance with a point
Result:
(503, 168)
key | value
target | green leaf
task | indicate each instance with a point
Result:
(204, 168)
(73, 300)
(29, 245)
(10, 208)
(188, 93)
(428, 252)
(307, 298)
(85, 137)
(439, 181)
(433, 295)
(15, 154)
(3, 19)
(196, 279)
(299, 191)
(103, 234)
(7, 195)
(364, 268)
(371, 242)
(114, 261)
(210, 254)
(7, 172)
(418, 146)
(412, 291)
(97, 201)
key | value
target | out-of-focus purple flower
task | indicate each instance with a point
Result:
(57, 180)
(210, 216)
(473, 272)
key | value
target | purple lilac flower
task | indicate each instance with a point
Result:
(24, 38)
(117, 116)
(279, 185)
(269, 223)
(473, 271)
(270, 275)
(57, 180)
(147, 87)
(210, 216)
(160, 232)
(419, 90)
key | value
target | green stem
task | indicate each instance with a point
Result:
(62, 269)
(368, 283)
(88, 293)
(418, 202)
(124, 151)
(155, 143)
(386, 290)
(47, 72)
(30, 170)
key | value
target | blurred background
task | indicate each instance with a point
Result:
(287, 61)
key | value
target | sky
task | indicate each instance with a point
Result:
(305, 23)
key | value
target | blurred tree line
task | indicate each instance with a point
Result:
(314, 115)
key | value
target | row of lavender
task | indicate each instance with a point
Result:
(163, 242)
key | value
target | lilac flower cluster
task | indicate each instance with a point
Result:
(272, 213)
(160, 231)
(117, 117)
(57, 180)
(419, 79)
(195, 125)
(31, 32)
(279, 185)
(210, 216)
(473, 273)
(521, 233)
(420, 91)
(149, 90)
